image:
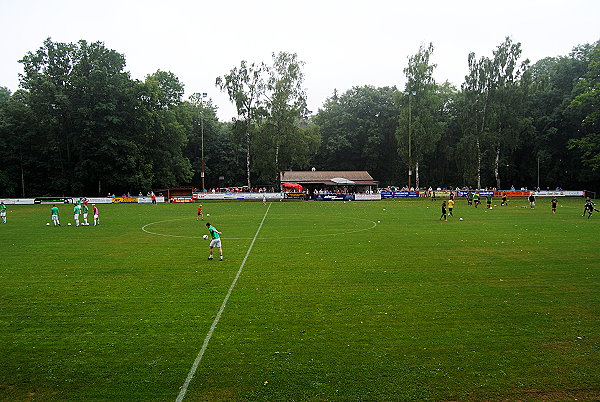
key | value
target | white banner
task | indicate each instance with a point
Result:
(367, 197)
(99, 200)
(19, 201)
(148, 200)
(557, 193)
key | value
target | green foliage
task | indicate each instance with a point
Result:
(81, 125)
(423, 105)
(587, 104)
(246, 87)
(358, 132)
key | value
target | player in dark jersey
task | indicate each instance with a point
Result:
(554, 202)
(589, 208)
(444, 211)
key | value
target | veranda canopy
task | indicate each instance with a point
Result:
(341, 180)
(292, 185)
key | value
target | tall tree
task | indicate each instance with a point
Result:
(476, 97)
(76, 95)
(507, 112)
(246, 87)
(164, 133)
(587, 104)
(553, 80)
(20, 149)
(492, 106)
(286, 109)
(421, 122)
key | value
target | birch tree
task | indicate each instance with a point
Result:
(420, 124)
(246, 87)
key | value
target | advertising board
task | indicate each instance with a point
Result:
(398, 194)
(334, 197)
(18, 201)
(236, 196)
(181, 199)
(294, 196)
(482, 193)
(558, 193)
(118, 200)
(53, 200)
(367, 197)
(512, 193)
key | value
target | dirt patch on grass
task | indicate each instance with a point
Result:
(10, 392)
(540, 395)
(562, 395)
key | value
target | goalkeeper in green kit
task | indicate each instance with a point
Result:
(215, 241)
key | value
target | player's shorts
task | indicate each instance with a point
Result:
(95, 216)
(215, 243)
(85, 216)
(76, 217)
(200, 214)
(3, 213)
(54, 218)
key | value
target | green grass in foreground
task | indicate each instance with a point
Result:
(330, 305)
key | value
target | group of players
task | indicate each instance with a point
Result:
(474, 199)
(80, 208)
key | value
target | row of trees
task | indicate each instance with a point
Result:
(509, 124)
(79, 124)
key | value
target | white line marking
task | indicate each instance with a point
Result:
(190, 375)
(373, 225)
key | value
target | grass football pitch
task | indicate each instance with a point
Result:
(334, 301)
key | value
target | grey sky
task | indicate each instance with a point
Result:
(343, 43)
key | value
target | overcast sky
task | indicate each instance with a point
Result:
(343, 43)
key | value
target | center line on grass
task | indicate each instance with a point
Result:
(190, 375)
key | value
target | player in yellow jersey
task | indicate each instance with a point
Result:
(450, 206)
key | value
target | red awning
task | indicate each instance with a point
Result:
(292, 185)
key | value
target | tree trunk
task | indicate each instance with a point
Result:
(496, 167)
(478, 166)
(22, 180)
(417, 174)
(248, 159)
(277, 161)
